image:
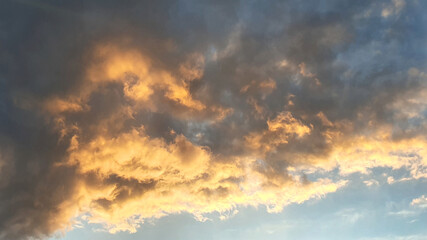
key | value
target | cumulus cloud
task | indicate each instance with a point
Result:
(126, 112)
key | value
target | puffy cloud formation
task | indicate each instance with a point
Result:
(122, 112)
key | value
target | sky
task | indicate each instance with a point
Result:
(192, 119)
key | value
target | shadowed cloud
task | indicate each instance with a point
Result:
(127, 111)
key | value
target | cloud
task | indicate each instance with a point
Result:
(123, 113)
(420, 202)
(136, 177)
(393, 8)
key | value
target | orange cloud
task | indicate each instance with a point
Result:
(141, 177)
(280, 129)
(127, 176)
(140, 82)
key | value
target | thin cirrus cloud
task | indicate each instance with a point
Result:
(122, 112)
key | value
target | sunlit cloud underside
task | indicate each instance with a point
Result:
(118, 114)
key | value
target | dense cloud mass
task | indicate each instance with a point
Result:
(122, 111)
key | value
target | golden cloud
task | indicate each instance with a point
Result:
(138, 177)
(127, 176)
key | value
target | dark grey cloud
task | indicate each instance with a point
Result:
(361, 59)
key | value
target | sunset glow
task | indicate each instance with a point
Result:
(213, 119)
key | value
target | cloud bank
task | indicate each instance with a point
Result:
(122, 112)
